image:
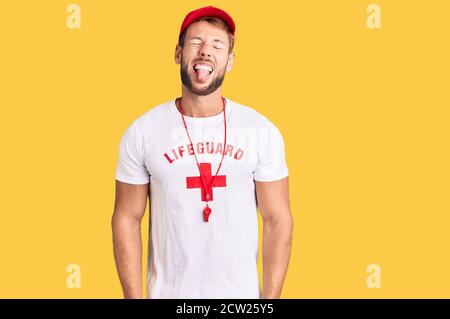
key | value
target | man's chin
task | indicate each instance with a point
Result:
(201, 88)
(201, 91)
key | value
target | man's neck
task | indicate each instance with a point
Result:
(201, 105)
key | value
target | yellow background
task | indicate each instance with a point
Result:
(364, 113)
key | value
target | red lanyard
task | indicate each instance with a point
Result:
(207, 209)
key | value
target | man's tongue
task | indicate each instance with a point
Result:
(202, 75)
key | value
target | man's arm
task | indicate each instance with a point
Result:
(274, 206)
(129, 208)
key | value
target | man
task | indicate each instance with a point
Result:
(206, 163)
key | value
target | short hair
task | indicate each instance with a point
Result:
(216, 21)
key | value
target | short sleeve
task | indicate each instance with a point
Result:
(131, 166)
(271, 165)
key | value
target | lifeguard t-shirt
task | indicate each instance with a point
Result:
(187, 256)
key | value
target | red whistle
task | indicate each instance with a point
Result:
(206, 213)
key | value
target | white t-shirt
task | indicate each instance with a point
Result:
(187, 256)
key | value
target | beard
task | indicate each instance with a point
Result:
(187, 81)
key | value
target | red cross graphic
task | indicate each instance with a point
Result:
(196, 181)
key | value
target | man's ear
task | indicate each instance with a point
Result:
(230, 62)
(178, 54)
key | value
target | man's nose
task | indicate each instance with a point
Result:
(205, 50)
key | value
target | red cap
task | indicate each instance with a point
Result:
(208, 11)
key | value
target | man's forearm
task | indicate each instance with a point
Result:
(128, 254)
(277, 238)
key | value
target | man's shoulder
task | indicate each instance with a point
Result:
(152, 121)
(156, 112)
(152, 116)
(251, 115)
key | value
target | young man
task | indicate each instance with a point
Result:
(207, 163)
